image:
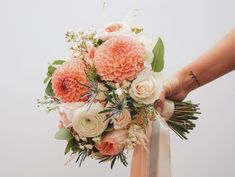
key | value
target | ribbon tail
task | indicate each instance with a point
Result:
(140, 160)
(155, 163)
(164, 159)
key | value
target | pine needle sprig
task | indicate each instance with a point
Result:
(113, 159)
(82, 155)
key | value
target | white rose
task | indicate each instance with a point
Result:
(89, 123)
(124, 30)
(147, 87)
(69, 108)
(149, 45)
(122, 120)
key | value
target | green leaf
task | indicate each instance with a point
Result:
(46, 79)
(69, 146)
(91, 74)
(51, 70)
(58, 62)
(49, 91)
(158, 60)
(63, 134)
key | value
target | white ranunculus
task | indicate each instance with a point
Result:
(149, 45)
(89, 123)
(147, 87)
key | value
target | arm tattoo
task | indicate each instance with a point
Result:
(194, 78)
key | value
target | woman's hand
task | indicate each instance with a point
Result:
(214, 63)
(173, 90)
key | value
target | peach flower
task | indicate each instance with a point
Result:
(122, 120)
(113, 27)
(113, 142)
(119, 58)
(91, 53)
(67, 79)
(64, 121)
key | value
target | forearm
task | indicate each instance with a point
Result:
(216, 62)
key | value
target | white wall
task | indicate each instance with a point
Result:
(32, 34)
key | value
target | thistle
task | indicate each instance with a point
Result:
(116, 105)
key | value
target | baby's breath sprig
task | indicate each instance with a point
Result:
(51, 103)
(80, 41)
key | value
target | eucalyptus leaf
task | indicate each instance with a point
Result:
(49, 91)
(58, 62)
(158, 60)
(69, 146)
(63, 134)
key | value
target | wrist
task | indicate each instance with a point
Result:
(188, 80)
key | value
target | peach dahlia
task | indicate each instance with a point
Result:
(68, 80)
(119, 58)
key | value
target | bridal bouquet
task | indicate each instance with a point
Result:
(105, 93)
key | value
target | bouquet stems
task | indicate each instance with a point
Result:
(181, 119)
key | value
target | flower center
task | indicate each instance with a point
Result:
(88, 120)
(119, 50)
(144, 87)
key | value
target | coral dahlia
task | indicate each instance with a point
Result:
(68, 80)
(119, 58)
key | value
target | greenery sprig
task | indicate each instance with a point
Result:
(50, 71)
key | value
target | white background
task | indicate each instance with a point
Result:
(32, 34)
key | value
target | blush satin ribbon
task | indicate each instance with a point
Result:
(156, 162)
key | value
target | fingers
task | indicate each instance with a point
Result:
(167, 88)
(179, 96)
(171, 90)
(159, 104)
